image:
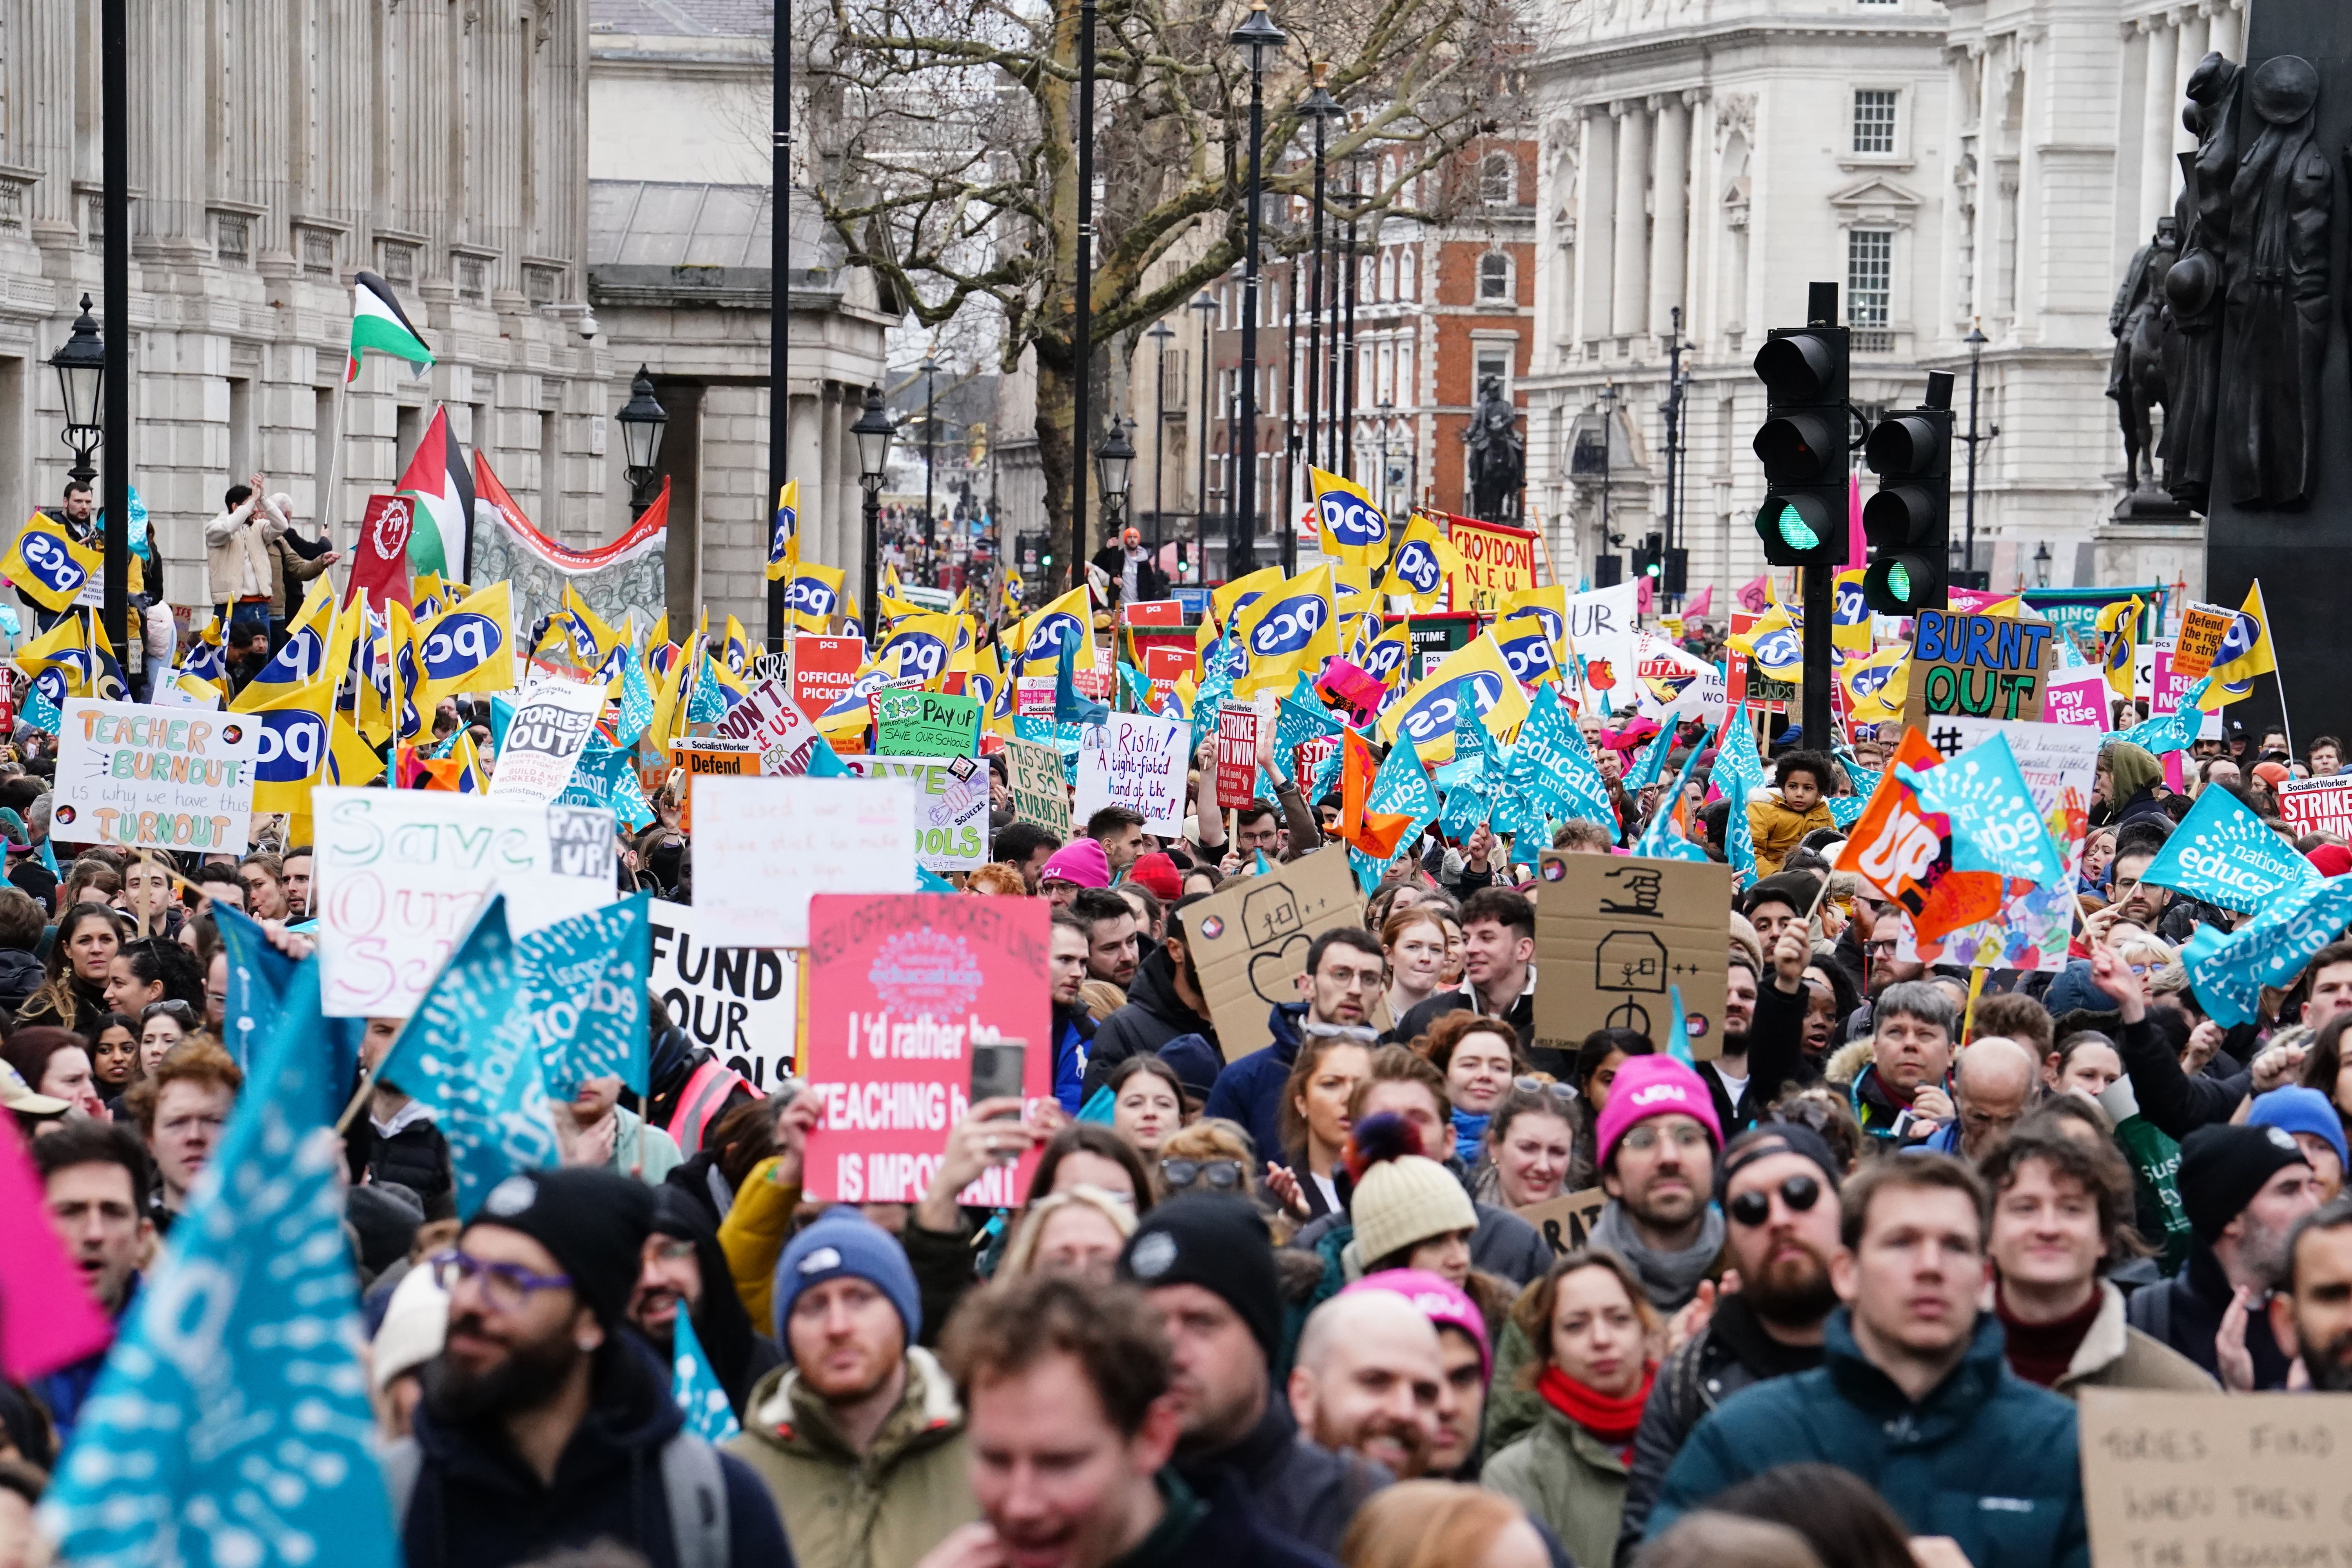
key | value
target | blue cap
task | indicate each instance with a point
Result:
(2297, 1109)
(842, 1243)
(1196, 1062)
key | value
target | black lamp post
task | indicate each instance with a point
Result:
(80, 364)
(1207, 306)
(1159, 334)
(1320, 106)
(1114, 473)
(1976, 340)
(930, 368)
(1257, 34)
(2042, 564)
(641, 419)
(1082, 290)
(873, 432)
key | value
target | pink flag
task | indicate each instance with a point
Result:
(46, 1317)
(1752, 596)
(1700, 603)
(1857, 543)
(1641, 594)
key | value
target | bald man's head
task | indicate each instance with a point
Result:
(1369, 1376)
(1995, 1081)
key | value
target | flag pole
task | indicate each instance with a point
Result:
(325, 500)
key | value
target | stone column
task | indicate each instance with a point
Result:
(1595, 202)
(804, 448)
(2156, 119)
(1670, 206)
(1629, 305)
(2227, 34)
(1991, 89)
(2195, 40)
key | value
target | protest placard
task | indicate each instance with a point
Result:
(1988, 666)
(1151, 613)
(823, 669)
(1613, 934)
(2209, 1478)
(950, 806)
(2318, 806)
(1497, 561)
(2057, 762)
(1041, 794)
(909, 986)
(2199, 642)
(740, 1001)
(1236, 753)
(399, 874)
(766, 845)
(769, 723)
(1306, 758)
(1249, 939)
(1603, 631)
(161, 778)
(2168, 681)
(1566, 1222)
(1137, 761)
(734, 759)
(1033, 696)
(542, 746)
(925, 724)
(2077, 698)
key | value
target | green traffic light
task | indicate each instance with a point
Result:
(1795, 533)
(1898, 580)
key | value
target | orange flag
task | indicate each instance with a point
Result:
(1373, 832)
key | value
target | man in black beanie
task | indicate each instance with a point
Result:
(2244, 1188)
(1207, 1263)
(544, 1424)
(685, 1270)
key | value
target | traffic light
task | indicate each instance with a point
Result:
(1804, 443)
(1910, 520)
(1648, 556)
(1608, 571)
(1677, 578)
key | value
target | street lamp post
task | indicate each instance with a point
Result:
(1115, 473)
(80, 364)
(780, 293)
(1673, 408)
(1318, 106)
(1207, 307)
(1257, 34)
(1386, 410)
(1083, 322)
(1343, 385)
(1608, 420)
(873, 432)
(1160, 333)
(641, 420)
(2042, 564)
(1976, 340)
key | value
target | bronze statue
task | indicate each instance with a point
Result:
(2193, 286)
(1498, 455)
(2135, 376)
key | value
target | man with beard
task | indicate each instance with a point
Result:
(1111, 939)
(1657, 1140)
(1164, 1003)
(683, 1266)
(2060, 1200)
(2244, 1188)
(2311, 1315)
(543, 1426)
(1369, 1379)
(1779, 1193)
(861, 1439)
(1344, 972)
(1763, 1031)
(1206, 1263)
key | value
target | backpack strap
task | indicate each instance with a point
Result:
(402, 1462)
(695, 1490)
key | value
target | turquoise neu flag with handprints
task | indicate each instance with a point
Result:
(637, 699)
(1401, 788)
(2227, 972)
(700, 1398)
(1551, 767)
(583, 989)
(470, 1056)
(1738, 774)
(2222, 853)
(230, 1428)
(1995, 826)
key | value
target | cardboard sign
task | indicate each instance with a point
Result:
(2033, 929)
(2198, 642)
(769, 723)
(1250, 941)
(2215, 1478)
(1567, 1221)
(1138, 761)
(160, 778)
(2077, 697)
(823, 669)
(1613, 933)
(700, 762)
(1496, 562)
(2318, 806)
(1236, 755)
(1987, 666)
(1604, 630)
(951, 807)
(908, 985)
(401, 872)
(740, 1001)
(765, 845)
(1041, 794)
(542, 747)
(925, 724)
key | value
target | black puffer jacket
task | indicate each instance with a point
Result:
(20, 976)
(1305, 1492)
(417, 1157)
(1154, 1014)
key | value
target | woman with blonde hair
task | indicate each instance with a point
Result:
(1078, 1231)
(1441, 1524)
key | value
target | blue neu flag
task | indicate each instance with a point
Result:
(637, 699)
(695, 1387)
(1070, 708)
(2227, 972)
(258, 979)
(2222, 853)
(2173, 731)
(583, 989)
(1846, 810)
(1661, 840)
(1995, 827)
(1652, 763)
(231, 1428)
(1469, 782)
(470, 1056)
(1677, 1034)
(1738, 774)
(1401, 787)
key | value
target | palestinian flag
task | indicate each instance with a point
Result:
(441, 485)
(379, 323)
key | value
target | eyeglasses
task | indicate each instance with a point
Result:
(176, 1010)
(1220, 1176)
(1754, 1207)
(1362, 1033)
(1643, 1139)
(505, 1287)
(1538, 1086)
(1881, 947)
(668, 1249)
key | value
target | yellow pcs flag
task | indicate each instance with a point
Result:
(1475, 680)
(1288, 630)
(294, 745)
(48, 562)
(469, 646)
(1241, 591)
(1352, 528)
(815, 597)
(2246, 650)
(1423, 559)
(305, 656)
(1038, 640)
(784, 534)
(60, 662)
(2119, 625)
(1878, 685)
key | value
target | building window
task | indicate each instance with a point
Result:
(397, 262)
(1874, 119)
(1498, 180)
(318, 252)
(232, 236)
(1388, 276)
(1407, 285)
(94, 224)
(473, 279)
(1869, 280)
(1497, 362)
(1494, 276)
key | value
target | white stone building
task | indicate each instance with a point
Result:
(1981, 164)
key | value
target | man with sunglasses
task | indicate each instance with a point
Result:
(1779, 1195)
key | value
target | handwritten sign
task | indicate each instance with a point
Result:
(823, 669)
(1236, 753)
(1249, 939)
(542, 746)
(740, 1002)
(765, 845)
(911, 983)
(1619, 934)
(1137, 761)
(401, 872)
(1987, 666)
(1603, 630)
(2033, 929)
(951, 807)
(1496, 562)
(1567, 1221)
(162, 778)
(769, 722)
(1040, 792)
(2215, 1478)
(2318, 806)
(734, 760)
(925, 724)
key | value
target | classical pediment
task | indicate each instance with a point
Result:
(1875, 201)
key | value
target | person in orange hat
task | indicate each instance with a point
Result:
(1127, 562)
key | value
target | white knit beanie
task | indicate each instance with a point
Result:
(1407, 1200)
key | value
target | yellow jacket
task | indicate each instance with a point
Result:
(753, 1234)
(1777, 830)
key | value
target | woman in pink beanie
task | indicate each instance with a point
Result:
(1658, 1138)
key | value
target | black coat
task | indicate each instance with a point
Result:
(1153, 1016)
(417, 1157)
(1304, 1492)
(2185, 1312)
(1776, 1058)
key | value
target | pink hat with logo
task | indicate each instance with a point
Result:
(1655, 1086)
(1081, 861)
(1439, 1300)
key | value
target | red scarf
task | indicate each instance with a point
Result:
(1613, 1421)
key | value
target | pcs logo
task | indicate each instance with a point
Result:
(1384, 658)
(918, 653)
(1529, 657)
(1352, 521)
(460, 642)
(812, 598)
(1851, 610)
(1051, 635)
(291, 743)
(47, 558)
(1779, 649)
(1438, 713)
(1871, 683)
(1287, 627)
(2239, 641)
(1416, 567)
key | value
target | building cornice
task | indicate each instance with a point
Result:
(1718, 37)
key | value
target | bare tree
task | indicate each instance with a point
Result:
(947, 162)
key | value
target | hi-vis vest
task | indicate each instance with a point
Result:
(705, 1092)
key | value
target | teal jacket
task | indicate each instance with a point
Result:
(1986, 1458)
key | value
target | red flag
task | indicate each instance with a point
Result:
(380, 560)
(1373, 832)
(49, 1319)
